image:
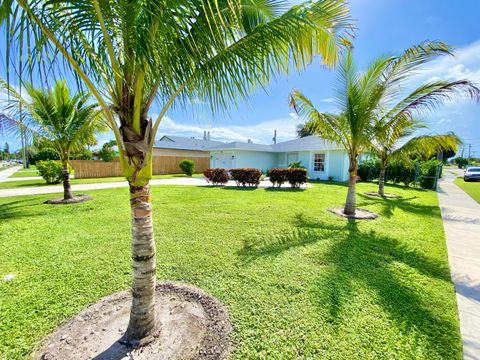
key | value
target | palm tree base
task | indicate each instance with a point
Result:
(191, 325)
(74, 200)
(360, 214)
(388, 196)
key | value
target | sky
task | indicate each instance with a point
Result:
(384, 27)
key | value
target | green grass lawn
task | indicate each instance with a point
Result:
(299, 282)
(471, 188)
(28, 183)
(31, 171)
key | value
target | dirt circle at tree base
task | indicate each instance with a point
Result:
(388, 196)
(360, 214)
(191, 325)
(79, 198)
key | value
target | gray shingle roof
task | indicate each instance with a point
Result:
(307, 143)
(184, 143)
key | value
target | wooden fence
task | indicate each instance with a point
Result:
(161, 165)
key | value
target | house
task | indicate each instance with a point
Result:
(183, 146)
(322, 158)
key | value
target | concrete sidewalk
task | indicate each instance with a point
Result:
(461, 221)
(4, 174)
(51, 189)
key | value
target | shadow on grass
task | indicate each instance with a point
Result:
(368, 259)
(389, 205)
(17, 209)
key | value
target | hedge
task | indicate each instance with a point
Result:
(294, 176)
(216, 176)
(246, 176)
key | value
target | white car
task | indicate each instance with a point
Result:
(472, 173)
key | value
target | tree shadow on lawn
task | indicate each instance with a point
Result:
(389, 205)
(17, 209)
(368, 258)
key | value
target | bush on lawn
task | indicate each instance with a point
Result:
(294, 176)
(187, 166)
(246, 176)
(277, 176)
(45, 154)
(50, 171)
(369, 170)
(216, 176)
(428, 170)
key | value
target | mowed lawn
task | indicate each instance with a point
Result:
(298, 281)
(472, 188)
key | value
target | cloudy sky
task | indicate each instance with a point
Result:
(384, 27)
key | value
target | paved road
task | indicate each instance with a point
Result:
(50, 189)
(461, 221)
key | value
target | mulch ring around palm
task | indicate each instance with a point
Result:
(74, 200)
(387, 196)
(360, 214)
(191, 324)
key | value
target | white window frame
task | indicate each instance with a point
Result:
(324, 162)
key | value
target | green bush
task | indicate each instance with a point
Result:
(44, 155)
(368, 170)
(216, 176)
(85, 154)
(428, 171)
(50, 170)
(296, 165)
(277, 176)
(187, 166)
(246, 176)
(461, 162)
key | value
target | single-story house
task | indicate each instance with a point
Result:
(322, 158)
(183, 146)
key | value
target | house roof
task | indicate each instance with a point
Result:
(307, 143)
(184, 143)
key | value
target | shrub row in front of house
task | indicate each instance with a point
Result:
(251, 177)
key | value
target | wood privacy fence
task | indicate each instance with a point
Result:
(161, 165)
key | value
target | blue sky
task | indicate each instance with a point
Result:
(384, 27)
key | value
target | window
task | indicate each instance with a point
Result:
(319, 162)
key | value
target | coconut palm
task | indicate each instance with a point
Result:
(66, 122)
(394, 141)
(374, 96)
(130, 54)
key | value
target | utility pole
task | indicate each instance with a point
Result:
(469, 149)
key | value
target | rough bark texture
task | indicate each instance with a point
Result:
(381, 182)
(351, 202)
(142, 314)
(67, 191)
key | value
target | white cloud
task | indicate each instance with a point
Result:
(329, 100)
(261, 132)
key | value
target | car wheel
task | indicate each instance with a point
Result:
(465, 179)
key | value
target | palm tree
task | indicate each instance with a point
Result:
(131, 53)
(366, 99)
(394, 141)
(66, 123)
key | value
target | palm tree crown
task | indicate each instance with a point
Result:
(373, 106)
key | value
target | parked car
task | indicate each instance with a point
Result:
(471, 173)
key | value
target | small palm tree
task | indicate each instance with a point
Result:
(66, 122)
(373, 97)
(393, 141)
(132, 53)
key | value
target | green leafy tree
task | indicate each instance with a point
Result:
(373, 107)
(169, 52)
(66, 122)
(461, 162)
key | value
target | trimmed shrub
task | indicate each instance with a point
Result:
(368, 170)
(428, 170)
(246, 176)
(187, 166)
(277, 176)
(296, 177)
(50, 171)
(216, 176)
(45, 154)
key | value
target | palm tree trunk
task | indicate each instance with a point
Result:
(381, 181)
(67, 190)
(142, 314)
(351, 203)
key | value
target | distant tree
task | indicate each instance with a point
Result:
(6, 148)
(461, 162)
(107, 153)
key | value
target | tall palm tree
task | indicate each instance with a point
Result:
(131, 53)
(66, 123)
(375, 96)
(394, 141)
